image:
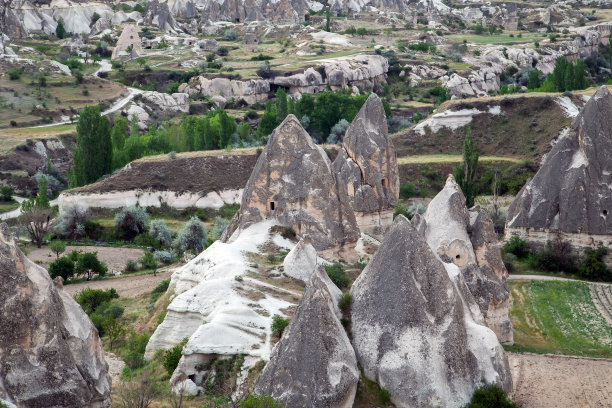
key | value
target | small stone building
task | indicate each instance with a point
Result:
(250, 42)
(129, 44)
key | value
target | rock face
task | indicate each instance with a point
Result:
(301, 261)
(570, 195)
(50, 352)
(158, 14)
(468, 240)
(314, 364)
(293, 183)
(366, 168)
(413, 330)
(251, 90)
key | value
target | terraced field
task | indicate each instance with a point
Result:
(602, 299)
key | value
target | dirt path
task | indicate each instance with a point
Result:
(543, 381)
(129, 286)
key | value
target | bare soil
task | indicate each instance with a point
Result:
(126, 286)
(560, 381)
(114, 258)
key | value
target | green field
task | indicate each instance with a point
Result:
(558, 317)
(498, 38)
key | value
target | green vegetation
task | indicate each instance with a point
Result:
(337, 274)
(60, 31)
(260, 401)
(565, 77)
(173, 355)
(558, 317)
(93, 155)
(465, 174)
(36, 214)
(490, 396)
(279, 324)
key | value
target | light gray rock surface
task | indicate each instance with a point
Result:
(413, 330)
(301, 261)
(313, 365)
(293, 183)
(50, 352)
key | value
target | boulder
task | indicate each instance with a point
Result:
(51, 355)
(313, 365)
(293, 183)
(100, 25)
(164, 103)
(366, 167)
(570, 195)
(468, 240)
(414, 332)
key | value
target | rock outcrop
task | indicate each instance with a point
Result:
(293, 183)
(570, 196)
(251, 90)
(366, 168)
(467, 239)
(314, 364)
(158, 14)
(415, 333)
(50, 352)
(301, 261)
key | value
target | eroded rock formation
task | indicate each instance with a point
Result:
(366, 168)
(415, 333)
(50, 352)
(314, 364)
(570, 196)
(467, 239)
(293, 183)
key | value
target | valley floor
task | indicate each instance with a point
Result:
(128, 286)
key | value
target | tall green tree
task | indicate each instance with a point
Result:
(36, 213)
(534, 79)
(559, 73)
(60, 30)
(119, 133)
(327, 20)
(93, 155)
(465, 174)
(281, 105)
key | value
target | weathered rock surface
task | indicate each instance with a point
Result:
(570, 194)
(50, 352)
(366, 167)
(251, 91)
(314, 364)
(158, 14)
(467, 239)
(413, 330)
(301, 261)
(293, 183)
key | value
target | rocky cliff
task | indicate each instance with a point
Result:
(50, 352)
(414, 331)
(570, 195)
(366, 168)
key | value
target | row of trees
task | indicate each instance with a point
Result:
(565, 77)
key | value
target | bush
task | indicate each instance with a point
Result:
(159, 230)
(517, 246)
(14, 74)
(384, 396)
(136, 345)
(218, 228)
(63, 267)
(110, 310)
(89, 264)
(57, 247)
(146, 240)
(166, 257)
(337, 275)
(230, 35)
(162, 287)
(90, 299)
(344, 303)
(490, 396)
(172, 356)
(193, 236)
(555, 257)
(593, 267)
(6, 193)
(400, 209)
(408, 190)
(279, 325)
(131, 266)
(130, 222)
(414, 209)
(336, 135)
(72, 223)
(509, 261)
(148, 261)
(260, 401)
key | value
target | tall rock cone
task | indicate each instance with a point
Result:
(50, 352)
(413, 332)
(571, 194)
(292, 182)
(366, 167)
(313, 365)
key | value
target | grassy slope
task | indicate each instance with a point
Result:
(558, 317)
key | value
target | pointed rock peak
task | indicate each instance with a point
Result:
(599, 105)
(602, 92)
(291, 130)
(370, 121)
(451, 183)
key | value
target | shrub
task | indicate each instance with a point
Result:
(384, 396)
(517, 246)
(336, 135)
(218, 228)
(166, 257)
(131, 221)
(90, 299)
(555, 257)
(337, 275)
(110, 310)
(172, 356)
(400, 209)
(89, 264)
(6, 193)
(63, 267)
(414, 209)
(279, 325)
(408, 190)
(14, 74)
(162, 287)
(159, 230)
(57, 247)
(344, 303)
(260, 401)
(148, 261)
(593, 267)
(510, 262)
(72, 222)
(230, 35)
(146, 240)
(490, 396)
(192, 236)
(131, 266)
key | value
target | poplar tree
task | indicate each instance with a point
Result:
(465, 175)
(93, 154)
